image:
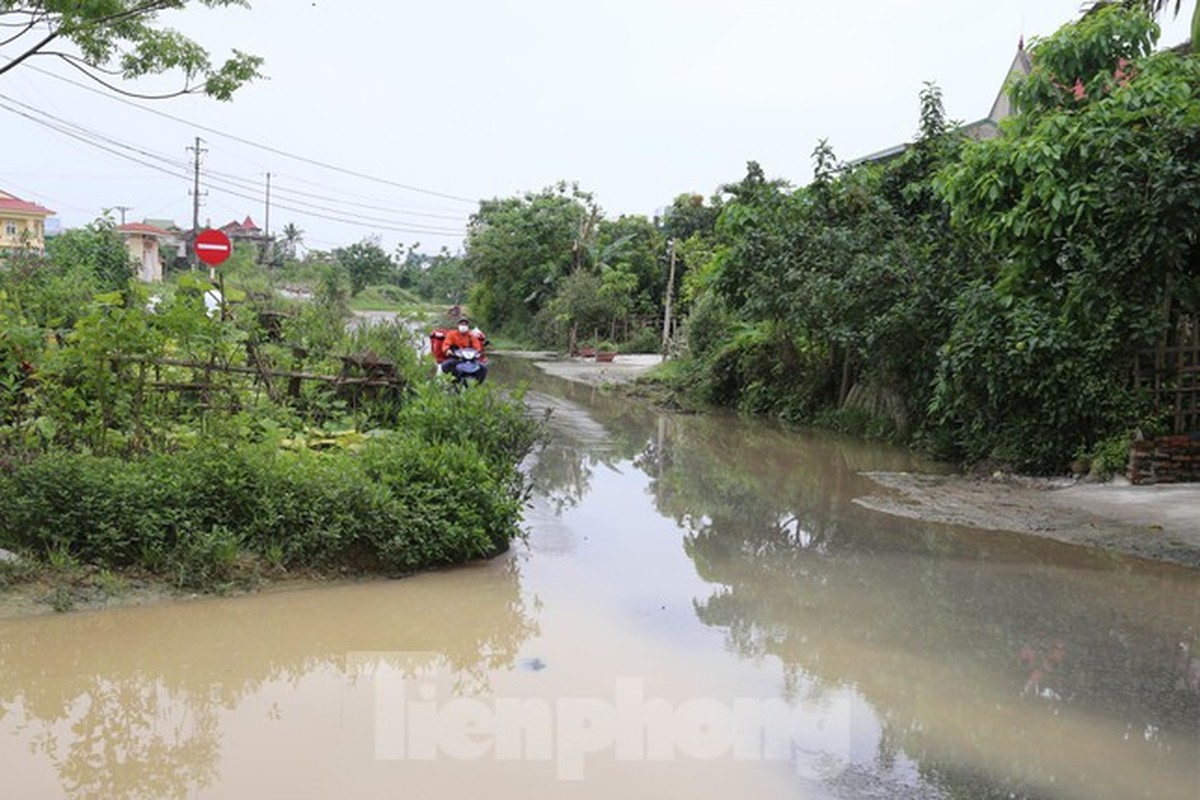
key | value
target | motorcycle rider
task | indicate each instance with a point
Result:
(464, 336)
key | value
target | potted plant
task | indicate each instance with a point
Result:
(587, 348)
(606, 351)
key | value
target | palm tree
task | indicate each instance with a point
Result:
(293, 237)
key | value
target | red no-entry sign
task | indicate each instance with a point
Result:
(212, 247)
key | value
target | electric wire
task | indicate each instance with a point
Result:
(245, 183)
(250, 143)
(67, 130)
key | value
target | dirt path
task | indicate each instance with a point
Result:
(622, 369)
(1155, 522)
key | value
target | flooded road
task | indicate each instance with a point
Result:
(699, 610)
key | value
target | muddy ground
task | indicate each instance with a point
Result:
(621, 370)
(1154, 522)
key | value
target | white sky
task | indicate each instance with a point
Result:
(637, 100)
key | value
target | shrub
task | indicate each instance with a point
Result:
(402, 504)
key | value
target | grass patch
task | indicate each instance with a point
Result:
(384, 298)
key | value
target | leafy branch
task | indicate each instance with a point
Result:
(119, 38)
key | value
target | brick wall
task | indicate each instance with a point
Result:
(1167, 459)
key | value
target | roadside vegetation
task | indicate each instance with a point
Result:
(216, 447)
(984, 301)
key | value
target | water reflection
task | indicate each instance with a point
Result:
(967, 644)
(139, 702)
(1002, 665)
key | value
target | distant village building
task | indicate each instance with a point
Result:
(22, 224)
(245, 231)
(986, 128)
(176, 236)
(144, 243)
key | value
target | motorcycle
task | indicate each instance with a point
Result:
(468, 366)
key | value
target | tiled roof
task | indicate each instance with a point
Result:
(141, 227)
(18, 206)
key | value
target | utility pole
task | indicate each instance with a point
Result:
(264, 246)
(123, 209)
(666, 337)
(195, 204)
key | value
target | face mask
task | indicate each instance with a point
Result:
(462, 328)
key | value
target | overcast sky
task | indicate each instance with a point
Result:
(637, 100)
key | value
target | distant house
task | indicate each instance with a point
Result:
(176, 236)
(144, 245)
(986, 128)
(245, 231)
(22, 224)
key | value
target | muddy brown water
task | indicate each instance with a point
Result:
(699, 610)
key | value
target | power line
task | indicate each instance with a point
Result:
(277, 193)
(85, 131)
(359, 195)
(249, 143)
(276, 189)
(179, 172)
(297, 194)
(241, 183)
(342, 195)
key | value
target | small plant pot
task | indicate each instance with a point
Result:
(587, 352)
(603, 356)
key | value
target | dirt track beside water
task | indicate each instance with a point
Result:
(622, 369)
(1154, 522)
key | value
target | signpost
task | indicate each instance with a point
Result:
(213, 247)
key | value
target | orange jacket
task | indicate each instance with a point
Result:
(456, 339)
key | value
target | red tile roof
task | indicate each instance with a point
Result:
(247, 226)
(18, 206)
(141, 227)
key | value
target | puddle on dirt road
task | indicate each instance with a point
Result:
(699, 610)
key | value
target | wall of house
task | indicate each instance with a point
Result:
(17, 231)
(1167, 459)
(144, 252)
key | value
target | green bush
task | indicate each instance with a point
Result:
(645, 340)
(1110, 456)
(403, 503)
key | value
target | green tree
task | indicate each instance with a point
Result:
(365, 264)
(581, 306)
(629, 257)
(837, 293)
(688, 216)
(98, 249)
(443, 278)
(1155, 8)
(107, 39)
(1091, 203)
(519, 247)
